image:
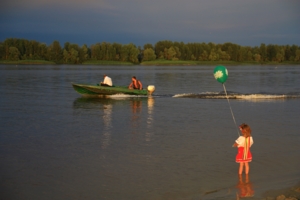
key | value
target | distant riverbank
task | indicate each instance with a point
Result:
(182, 62)
(149, 63)
(27, 62)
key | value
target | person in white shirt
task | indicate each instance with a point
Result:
(107, 81)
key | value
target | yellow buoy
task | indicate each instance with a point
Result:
(151, 89)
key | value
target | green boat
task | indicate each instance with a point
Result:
(96, 90)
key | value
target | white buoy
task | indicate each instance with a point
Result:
(151, 89)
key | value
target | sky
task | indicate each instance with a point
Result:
(242, 22)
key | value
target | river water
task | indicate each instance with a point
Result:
(55, 144)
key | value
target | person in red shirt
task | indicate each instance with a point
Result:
(135, 84)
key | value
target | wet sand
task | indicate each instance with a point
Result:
(292, 193)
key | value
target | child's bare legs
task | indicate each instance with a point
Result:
(247, 167)
(241, 168)
(242, 164)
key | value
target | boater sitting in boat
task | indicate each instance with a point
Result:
(135, 84)
(107, 81)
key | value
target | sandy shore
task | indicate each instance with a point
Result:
(292, 193)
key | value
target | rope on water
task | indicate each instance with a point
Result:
(230, 109)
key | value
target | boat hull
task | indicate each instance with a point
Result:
(95, 90)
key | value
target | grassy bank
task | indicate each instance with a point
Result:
(181, 62)
(27, 62)
(104, 62)
(150, 63)
(169, 62)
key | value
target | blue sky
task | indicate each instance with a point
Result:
(243, 22)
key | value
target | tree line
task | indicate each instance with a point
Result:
(14, 49)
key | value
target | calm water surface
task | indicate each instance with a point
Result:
(55, 144)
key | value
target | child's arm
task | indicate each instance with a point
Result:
(235, 144)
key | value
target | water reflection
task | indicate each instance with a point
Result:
(149, 131)
(133, 108)
(136, 108)
(107, 111)
(244, 187)
(93, 105)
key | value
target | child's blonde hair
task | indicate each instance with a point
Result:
(246, 129)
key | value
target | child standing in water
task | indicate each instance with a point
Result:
(243, 143)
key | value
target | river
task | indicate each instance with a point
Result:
(177, 144)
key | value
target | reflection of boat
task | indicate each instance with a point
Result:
(96, 90)
(96, 103)
(107, 118)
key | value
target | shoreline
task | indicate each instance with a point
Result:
(289, 193)
(146, 63)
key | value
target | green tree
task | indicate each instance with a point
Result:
(83, 53)
(288, 52)
(294, 49)
(6, 44)
(297, 56)
(42, 51)
(178, 52)
(111, 52)
(223, 56)
(242, 54)
(170, 53)
(117, 51)
(234, 54)
(129, 53)
(148, 46)
(1, 50)
(149, 54)
(193, 57)
(263, 52)
(249, 56)
(95, 52)
(103, 51)
(280, 54)
(67, 46)
(55, 52)
(271, 52)
(133, 53)
(279, 57)
(203, 56)
(71, 56)
(161, 46)
(257, 57)
(213, 56)
(14, 53)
